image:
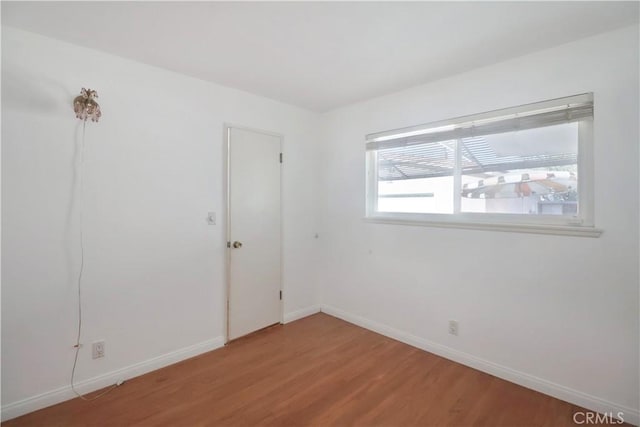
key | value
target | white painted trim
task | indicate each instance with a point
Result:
(252, 129)
(227, 238)
(558, 391)
(560, 230)
(299, 314)
(61, 394)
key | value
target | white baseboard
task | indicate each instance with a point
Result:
(631, 416)
(299, 314)
(61, 394)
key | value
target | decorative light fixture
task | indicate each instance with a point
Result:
(86, 106)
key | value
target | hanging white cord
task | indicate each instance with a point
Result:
(81, 208)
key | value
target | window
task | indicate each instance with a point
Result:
(526, 167)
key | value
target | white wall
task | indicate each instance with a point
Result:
(554, 312)
(154, 269)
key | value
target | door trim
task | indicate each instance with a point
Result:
(227, 168)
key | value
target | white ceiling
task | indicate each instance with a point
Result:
(319, 55)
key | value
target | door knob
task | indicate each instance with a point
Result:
(237, 245)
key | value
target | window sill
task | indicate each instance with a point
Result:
(560, 230)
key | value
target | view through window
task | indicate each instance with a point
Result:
(523, 163)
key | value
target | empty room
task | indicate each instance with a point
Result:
(320, 213)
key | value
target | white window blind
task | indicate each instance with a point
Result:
(547, 113)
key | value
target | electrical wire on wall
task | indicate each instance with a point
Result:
(85, 107)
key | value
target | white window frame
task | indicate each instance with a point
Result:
(582, 224)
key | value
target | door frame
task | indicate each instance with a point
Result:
(227, 190)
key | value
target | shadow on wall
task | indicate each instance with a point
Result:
(33, 93)
(38, 95)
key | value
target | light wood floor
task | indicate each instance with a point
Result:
(317, 371)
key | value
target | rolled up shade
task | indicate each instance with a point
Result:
(547, 113)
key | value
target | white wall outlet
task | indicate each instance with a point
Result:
(453, 327)
(211, 218)
(97, 349)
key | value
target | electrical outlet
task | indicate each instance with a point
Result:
(453, 327)
(97, 349)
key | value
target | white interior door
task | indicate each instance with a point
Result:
(254, 236)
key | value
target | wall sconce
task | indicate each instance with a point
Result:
(85, 105)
